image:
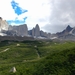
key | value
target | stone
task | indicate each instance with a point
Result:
(13, 70)
(18, 44)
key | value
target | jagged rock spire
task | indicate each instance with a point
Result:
(37, 30)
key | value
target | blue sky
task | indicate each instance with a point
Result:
(18, 10)
(16, 21)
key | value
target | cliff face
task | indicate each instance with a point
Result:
(20, 30)
(36, 32)
(3, 25)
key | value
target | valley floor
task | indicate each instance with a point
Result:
(37, 57)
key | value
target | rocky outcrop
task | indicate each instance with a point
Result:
(13, 70)
(65, 32)
(3, 24)
(20, 30)
(45, 34)
(72, 31)
(33, 32)
(36, 32)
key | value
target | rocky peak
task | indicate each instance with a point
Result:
(65, 32)
(3, 24)
(37, 25)
(37, 30)
(68, 28)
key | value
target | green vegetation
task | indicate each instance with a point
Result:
(37, 57)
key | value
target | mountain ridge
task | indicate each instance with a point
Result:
(22, 30)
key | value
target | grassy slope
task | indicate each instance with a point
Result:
(55, 58)
(59, 63)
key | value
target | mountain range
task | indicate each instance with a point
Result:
(67, 34)
(22, 30)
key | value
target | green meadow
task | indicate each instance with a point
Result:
(37, 57)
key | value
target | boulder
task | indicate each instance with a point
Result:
(13, 70)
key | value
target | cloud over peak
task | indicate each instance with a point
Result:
(62, 14)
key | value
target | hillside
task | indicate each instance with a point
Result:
(37, 57)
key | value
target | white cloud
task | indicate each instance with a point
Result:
(38, 11)
(62, 14)
(51, 15)
(6, 11)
